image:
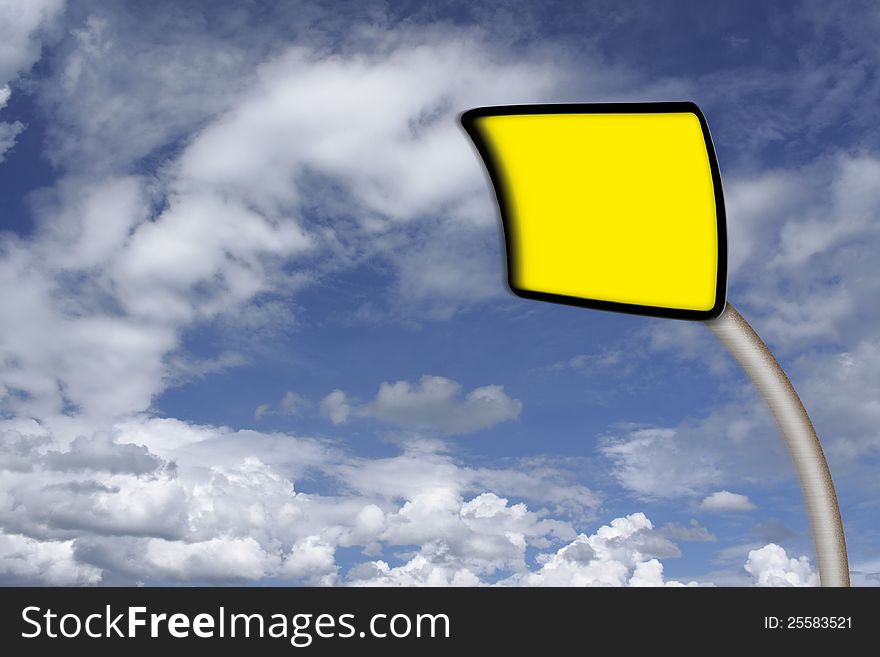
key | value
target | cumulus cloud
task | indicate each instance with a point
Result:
(724, 501)
(312, 559)
(99, 452)
(160, 500)
(418, 571)
(771, 566)
(435, 404)
(238, 516)
(25, 560)
(485, 534)
(542, 478)
(623, 553)
(213, 559)
(480, 536)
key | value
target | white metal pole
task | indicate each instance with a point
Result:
(800, 437)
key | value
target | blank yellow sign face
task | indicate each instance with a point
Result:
(612, 206)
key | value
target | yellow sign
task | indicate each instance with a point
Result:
(614, 206)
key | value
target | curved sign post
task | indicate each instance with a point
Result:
(619, 206)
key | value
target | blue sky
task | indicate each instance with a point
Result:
(254, 323)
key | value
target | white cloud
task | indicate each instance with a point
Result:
(622, 553)
(425, 466)
(737, 442)
(216, 558)
(650, 573)
(21, 28)
(724, 501)
(20, 38)
(652, 463)
(62, 348)
(83, 224)
(290, 404)
(113, 71)
(100, 453)
(302, 134)
(804, 232)
(161, 500)
(732, 444)
(483, 534)
(312, 559)
(137, 260)
(261, 411)
(8, 134)
(689, 342)
(434, 404)
(619, 554)
(336, 407)
(278, 129)
(771, 566)
(840, 389)
(611, 361)
(26, 560)
(332, 114)
(543, 479)
(865, 573)
(692, 532)
(98, 300)
(202, 256)
(454, 269)
(418, 571)
(183, 368)
(238, 516)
